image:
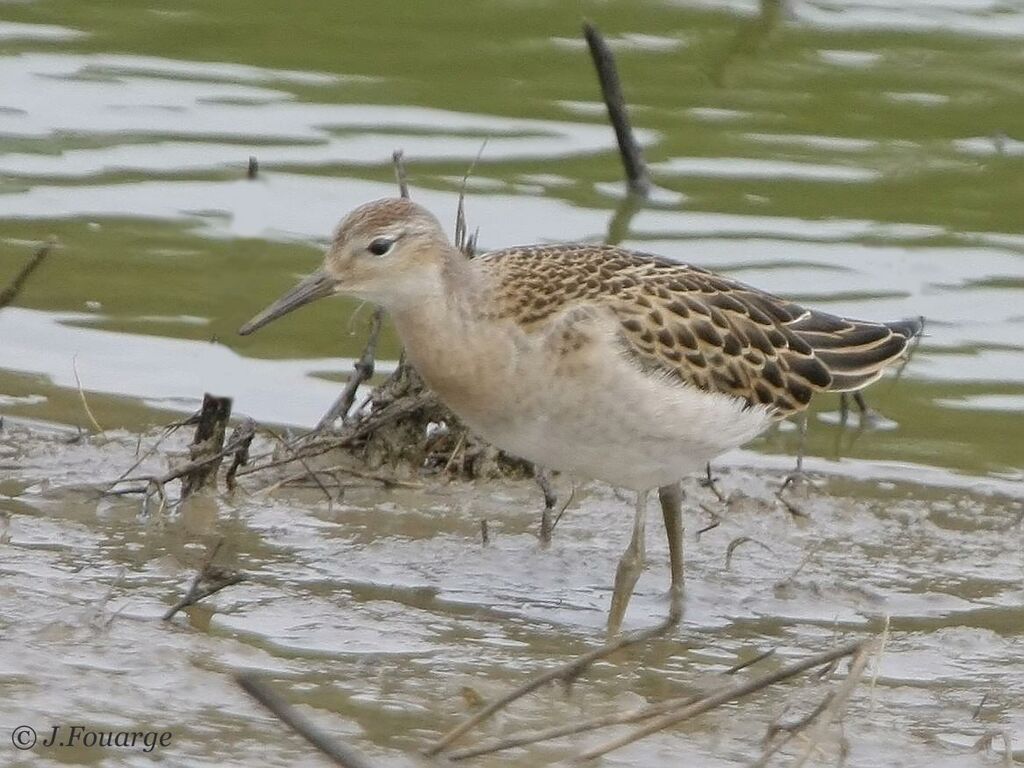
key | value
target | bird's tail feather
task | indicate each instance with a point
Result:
(855, 352)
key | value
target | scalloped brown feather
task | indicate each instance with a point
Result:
(709, 331)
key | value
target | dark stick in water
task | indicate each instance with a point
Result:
(10, 293)
(210, 580)
(340, 754)
(637, 176)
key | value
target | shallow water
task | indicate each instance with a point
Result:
(863, 157)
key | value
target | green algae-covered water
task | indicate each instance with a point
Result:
(864, 157)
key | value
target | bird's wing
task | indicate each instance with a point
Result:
(705, 330)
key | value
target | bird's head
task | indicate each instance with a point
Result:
(389, 252)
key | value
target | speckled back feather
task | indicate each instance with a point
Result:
(709, 331)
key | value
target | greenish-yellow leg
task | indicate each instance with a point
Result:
(671, 497)
(631, 565)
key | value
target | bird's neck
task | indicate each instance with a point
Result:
(444, 331)
(445, 294)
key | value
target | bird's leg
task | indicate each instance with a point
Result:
(631, 565)
(543, 478)
(797, 475)
(802, 445)
(671, 497)
(710, 481)
(858, 398)
(869, 417)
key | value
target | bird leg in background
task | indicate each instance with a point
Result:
(798, 473)
(631, 565)
(543, 479)
(671, 497)
(710, 481)
(866, 414)
(10, 293)
(797, 476)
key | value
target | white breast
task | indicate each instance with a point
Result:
(591, 413)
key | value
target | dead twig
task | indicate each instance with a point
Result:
(398, 159)
(210, 580)
(462, 240)
(81, 396)
(981, 705)
(297, 457)
(160, 491)
(616, 718)
(168, 431)
(876, 667)
(378, 418)
(340, 754)
(10, 293)
(810, 553)
(726, 695)
(238, 446)
(565, 673)
(175, 474)
(791, 731)
(987, 740)
(568, 501)
(363, 372)
(740, 665)
(385, 480)
(637, 176)
(207, 449)
(836, 707)
(738, 541)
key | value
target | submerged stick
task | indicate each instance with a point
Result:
(10, 293)
(566, 672)
(210, 580)
(637, 176)
(616, 718)
(836, 706)
(340, 754)
(726, 695)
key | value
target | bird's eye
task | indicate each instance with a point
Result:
(380, 246)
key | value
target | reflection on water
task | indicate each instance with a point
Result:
(862, 157)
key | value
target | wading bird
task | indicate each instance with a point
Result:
(597, 361)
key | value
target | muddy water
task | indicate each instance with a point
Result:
(865, 157)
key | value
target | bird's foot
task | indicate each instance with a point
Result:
(711, 482)
(794, 481)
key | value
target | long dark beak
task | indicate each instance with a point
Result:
(317, 286)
